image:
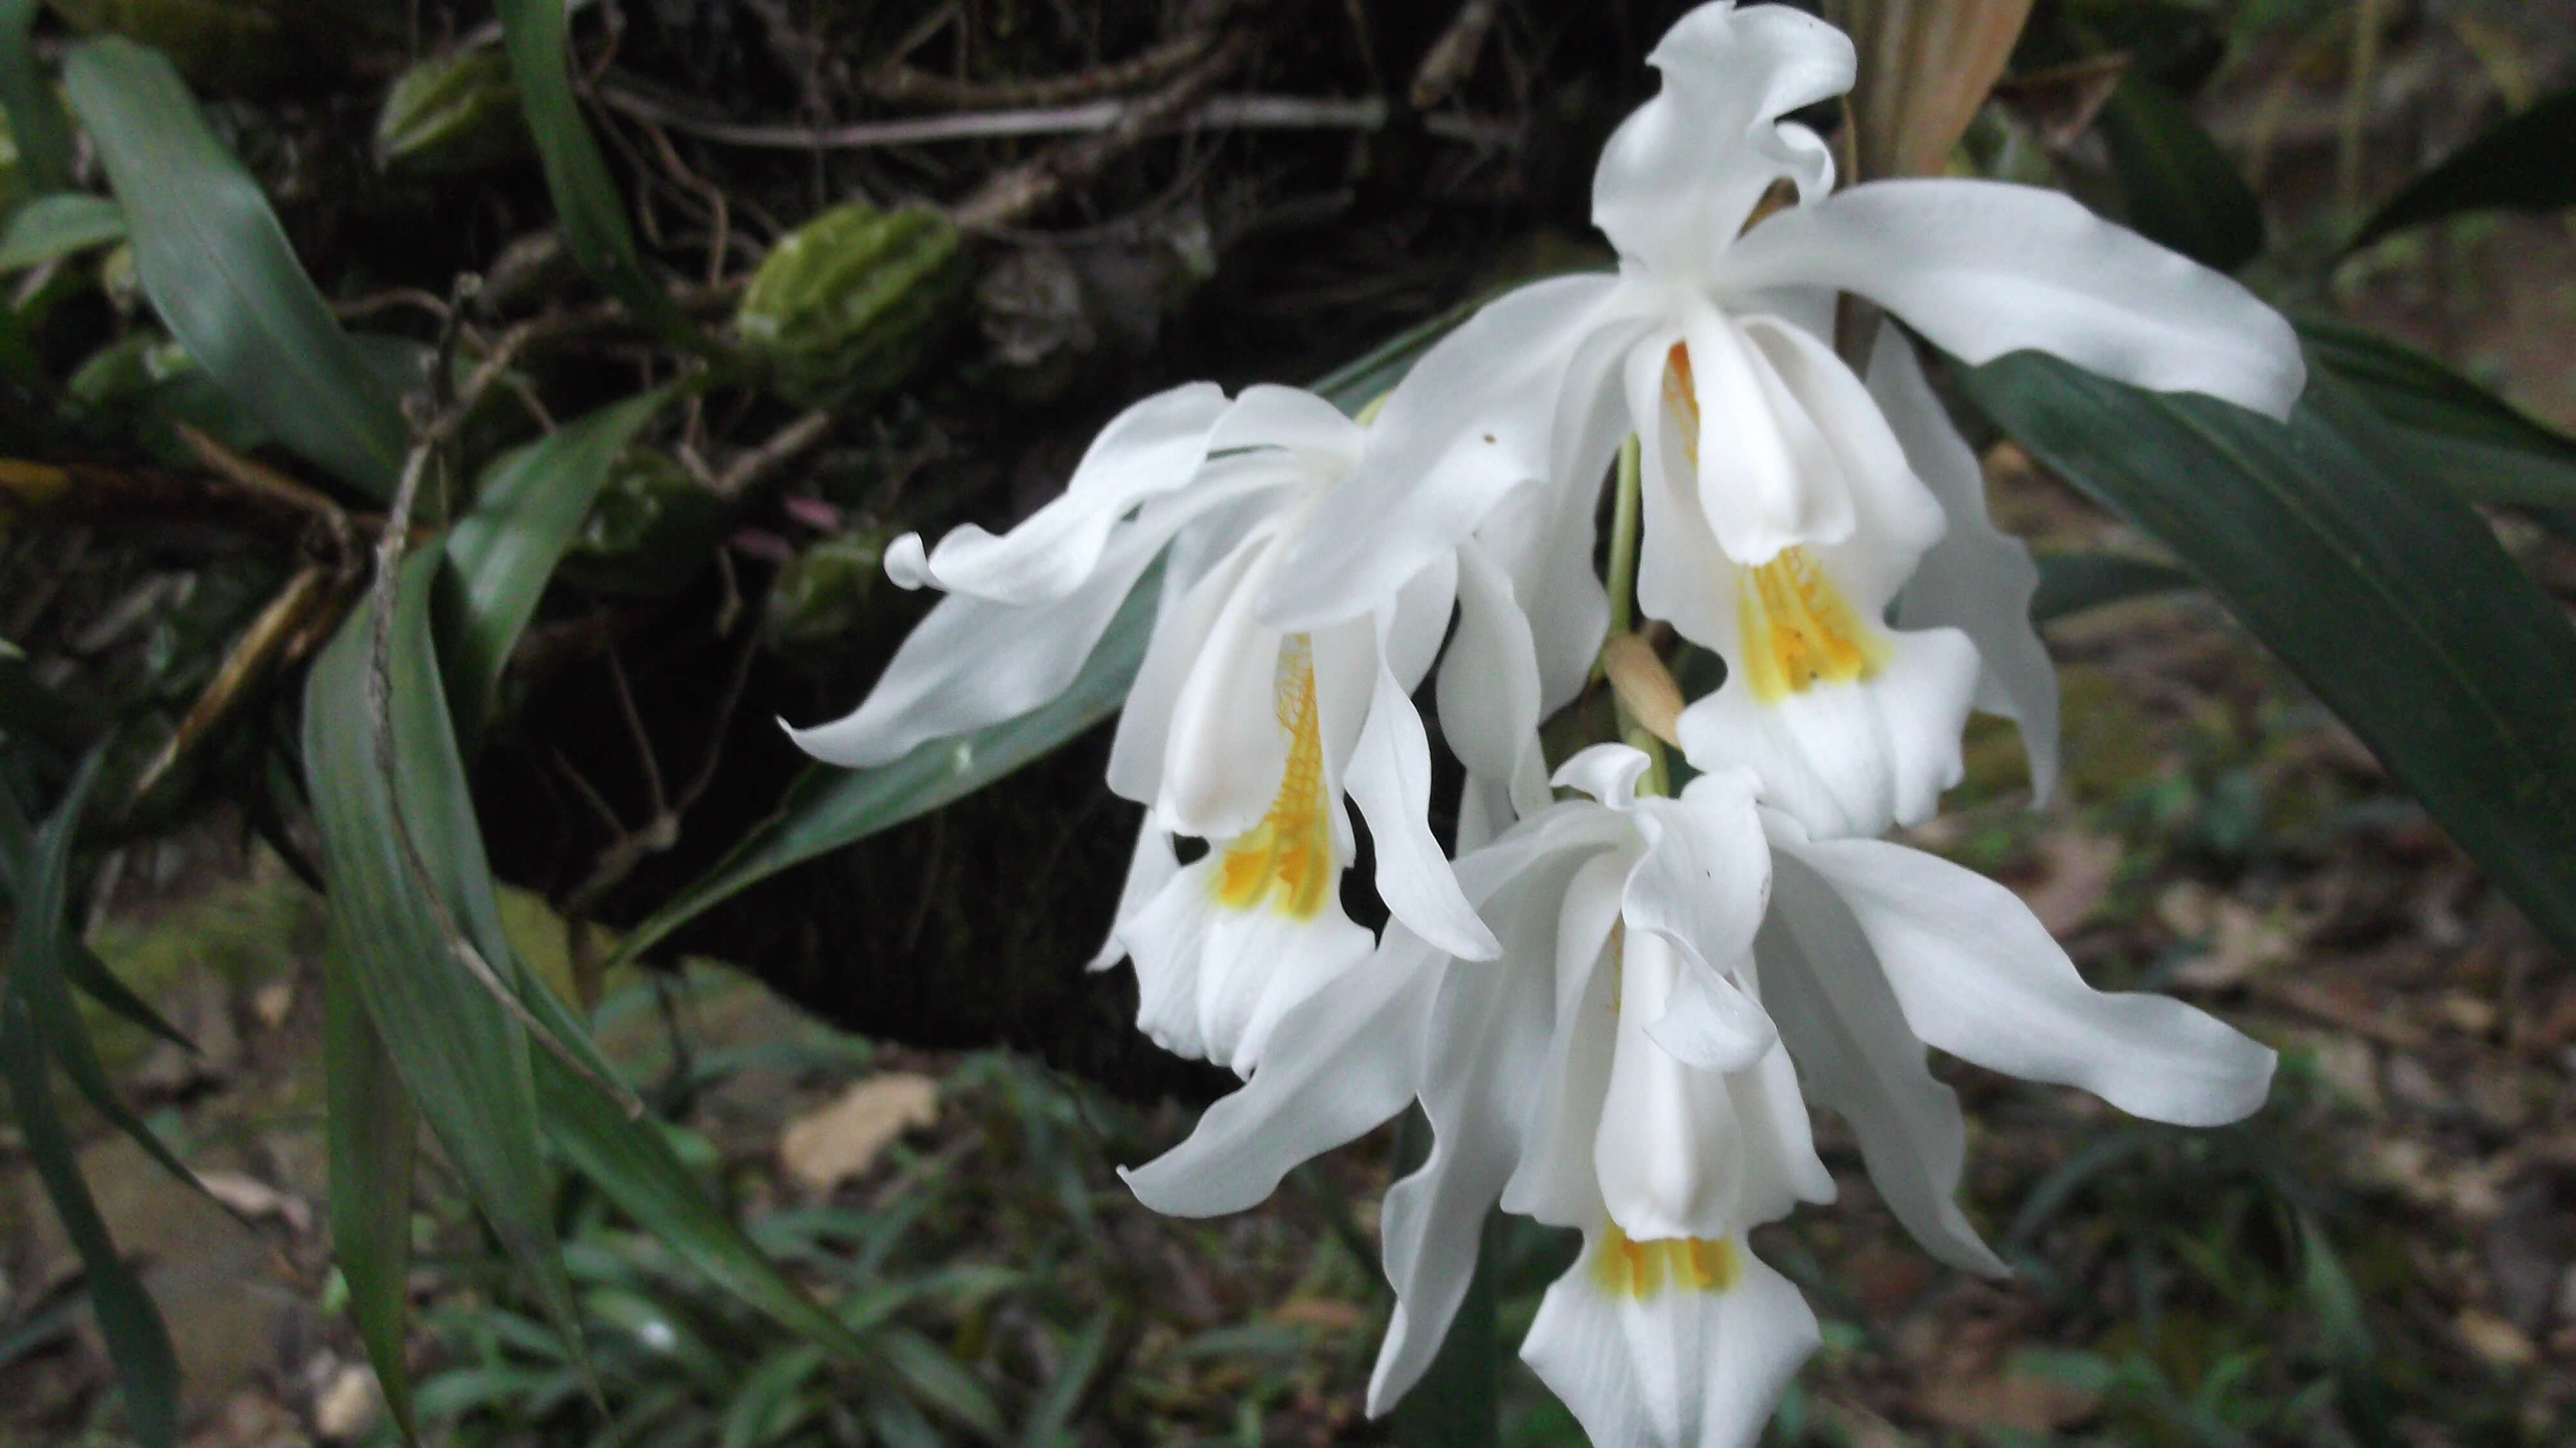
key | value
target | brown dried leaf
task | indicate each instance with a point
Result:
(1925, 67)
(826, 1147)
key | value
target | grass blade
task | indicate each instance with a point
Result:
(218, 269)
(55, 226)
(2526, 162)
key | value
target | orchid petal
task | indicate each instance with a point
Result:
(1229, 735)
(1555, 1181)
(1153, 447)
(1474, 419)
(1893, 517)
(1977, 579)
(1982, 268)
(1339, 1063)
(1858, 1058)
(1702, 883)
(1181, 634)
(1979, 977)
(1689, 165)
(1269, 416)
(1670, 1145)
(1607, 772)
(1848, 758)
(1390, 781)
(1488, 690)
(1681, 1367)
(970, 662)
(1148, 871)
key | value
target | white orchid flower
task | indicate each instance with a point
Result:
(1618, 1069)
(1233, 732)
(1782, 512)
(1613, 1070)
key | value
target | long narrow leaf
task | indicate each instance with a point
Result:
(2526, 162)
(2180, 188)
(2070, 583)
(138, 1343)
(530, 502)
(218, 269)
(2472, 439)
(36, 120)
(593, 215)
(462, 1056)
(374, 1133)
(2382, 589)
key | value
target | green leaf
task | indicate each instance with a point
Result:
(462, 1056)
(88, 973)
(2383, 590)
(36, 120)
(2073, 582)
(1052, 1414)
(218, 269)
(527, 507)
(828, 807)
(2470, 438)
(907, 1360)
(594, 217)
(58, 225)
(374, 1135)
(2526, 162)
(2180, 188)
(32, 1006)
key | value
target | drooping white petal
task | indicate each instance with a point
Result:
(1473, 419)
(1982, 268)
(1848, 758)
(971, 662)
(1268, 416)
(1488, 1038)
(1781, 1167)
(1390, 781)
(1555, 1181)
(1678, 1367)
(1977, 579)
(1228, 743)
(1152, 448)
(1488, 690)
(1670, 1149)
(1979, 977)
(1683, 171)
(1180, 641)
(1338, 1063)
(1857, 1057)
(1769, 474)
(1419, 621)
(1148, 870)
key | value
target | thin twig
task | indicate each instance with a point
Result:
(431, 435)
(1230, 112)
(782, 445)
(902, 84)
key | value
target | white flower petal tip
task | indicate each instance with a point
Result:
(1670, 1344)
(1848, 758)
(1607, 772)
(906, 562)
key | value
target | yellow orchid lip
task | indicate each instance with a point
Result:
(1286, 861)
(1625, 1267)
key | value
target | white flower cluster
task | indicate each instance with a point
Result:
(1614, 1007)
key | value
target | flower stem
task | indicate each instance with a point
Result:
(1625, 509)
(1454, 1406)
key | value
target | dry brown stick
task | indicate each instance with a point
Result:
(902, 84)
(1013, 195)
(780, 446)
(311, 595)
(1452, 57)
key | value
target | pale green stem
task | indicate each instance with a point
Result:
(1626, 513)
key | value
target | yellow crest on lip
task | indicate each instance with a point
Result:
(1286, 860)
(1798, 630)
(1625, 1267)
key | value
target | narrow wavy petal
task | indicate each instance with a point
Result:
(1982, 268)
